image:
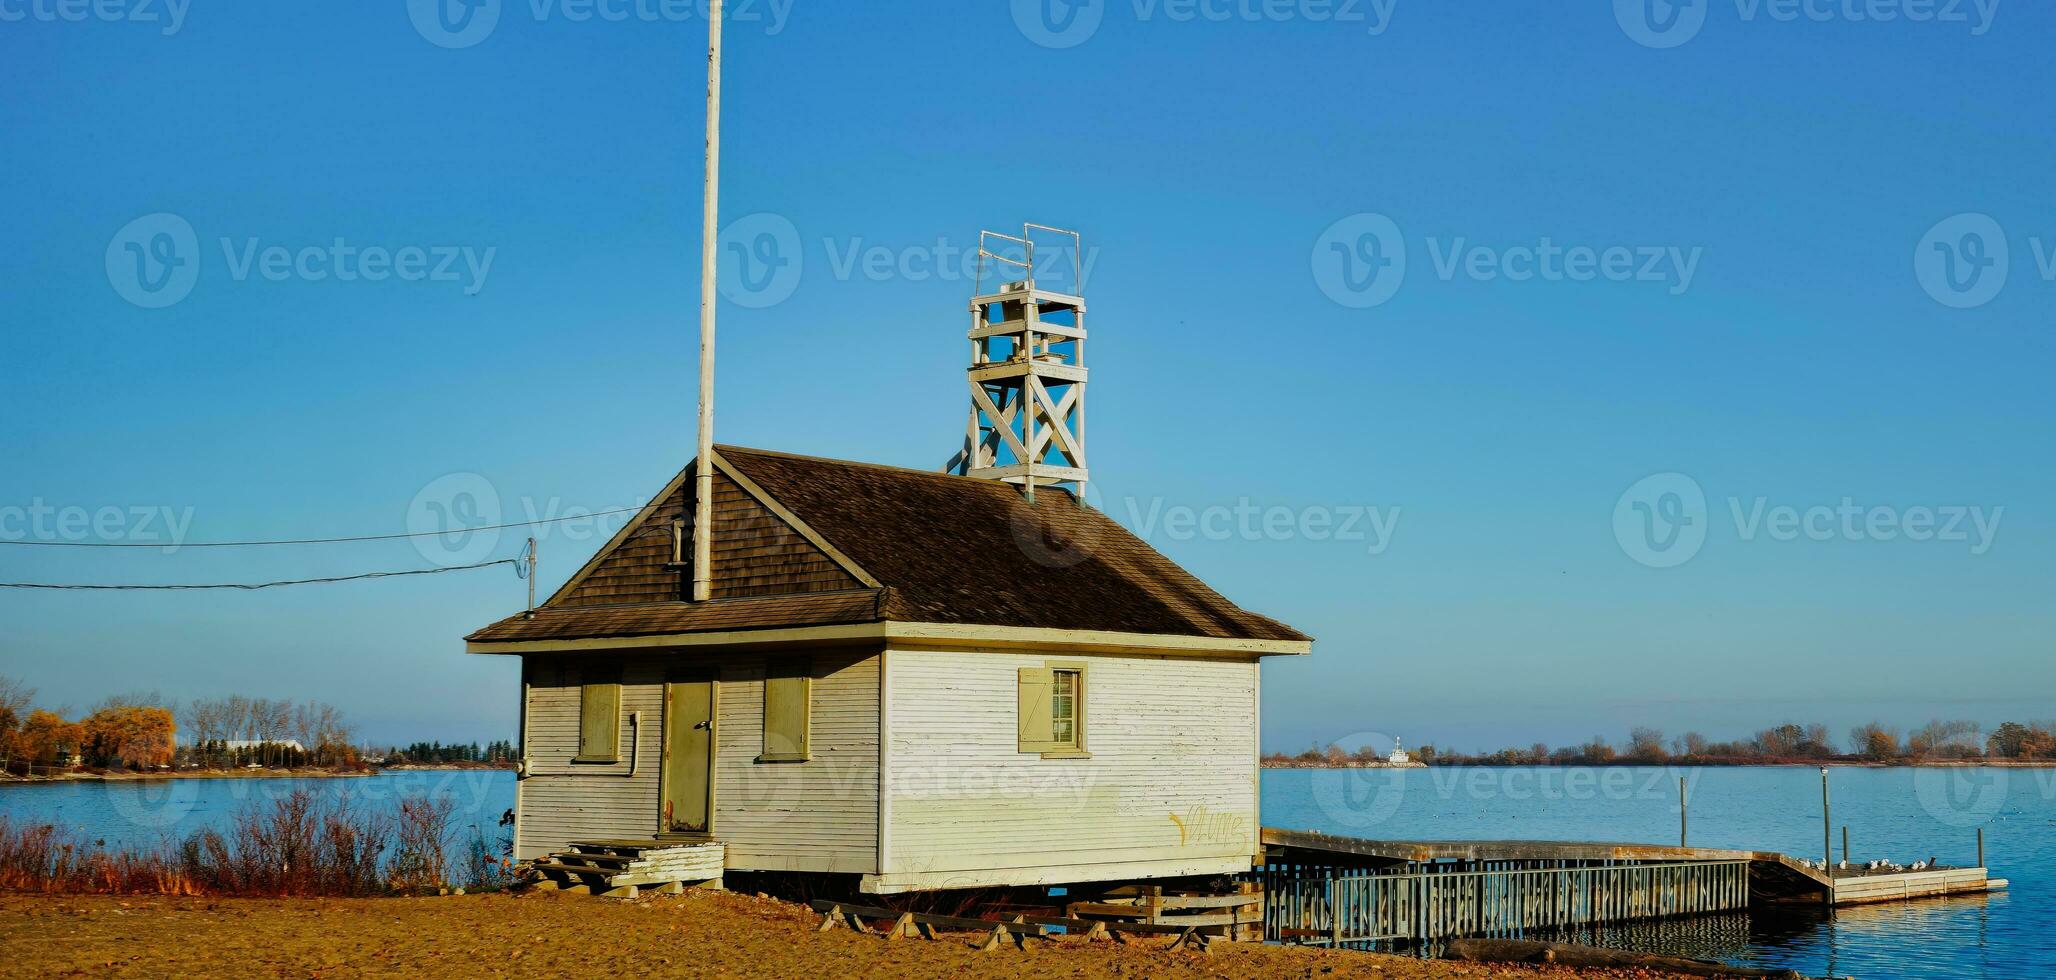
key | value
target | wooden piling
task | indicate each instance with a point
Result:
(1684, 813)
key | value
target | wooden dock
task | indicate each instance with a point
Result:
(1346, 891)
(1888, 886)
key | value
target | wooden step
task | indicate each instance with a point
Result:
(618, 845)
(621, 863)
(575, 869)
(598, 860)
(647, 857)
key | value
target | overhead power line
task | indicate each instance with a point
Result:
(252, 587)
(173, 545)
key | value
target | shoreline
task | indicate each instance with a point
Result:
(138, 777)
(1692, 764)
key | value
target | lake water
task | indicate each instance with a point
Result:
(1904, 815)
(1901, 814)
(149, 812)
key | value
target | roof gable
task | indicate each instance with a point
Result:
(758, 551)
(911, 546)
(954, 549)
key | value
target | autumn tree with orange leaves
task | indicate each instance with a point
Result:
(46, 739)
(136, 736)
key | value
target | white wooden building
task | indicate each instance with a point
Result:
(922, 679)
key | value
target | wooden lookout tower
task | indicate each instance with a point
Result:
(1027, 373)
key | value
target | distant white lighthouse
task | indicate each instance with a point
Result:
(1398, 756)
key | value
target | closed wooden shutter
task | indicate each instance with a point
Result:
(1034, 697)
(788, 691)
(599, 717)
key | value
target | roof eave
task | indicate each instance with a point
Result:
(928, 635)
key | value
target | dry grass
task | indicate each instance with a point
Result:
(699, 934)
(301, 845)
(40, 858)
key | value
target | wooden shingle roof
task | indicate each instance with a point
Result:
(869, 543)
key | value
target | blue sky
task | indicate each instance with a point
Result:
(1780, 331)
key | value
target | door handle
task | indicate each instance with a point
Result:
(706, 725)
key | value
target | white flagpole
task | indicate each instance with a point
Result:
(710, 233)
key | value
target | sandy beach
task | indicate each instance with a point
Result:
(697, 934)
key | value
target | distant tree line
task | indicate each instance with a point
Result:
(132, 731)
(141, 732)
(240, 731)
(438, 754)
(1936, 741)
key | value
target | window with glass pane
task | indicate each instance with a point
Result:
(1063, 707)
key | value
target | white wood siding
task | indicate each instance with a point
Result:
(819, 815)
(562, 801)
(1170, 787)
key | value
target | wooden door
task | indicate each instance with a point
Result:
(689, 756)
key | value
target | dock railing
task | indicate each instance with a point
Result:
(1498, 899)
